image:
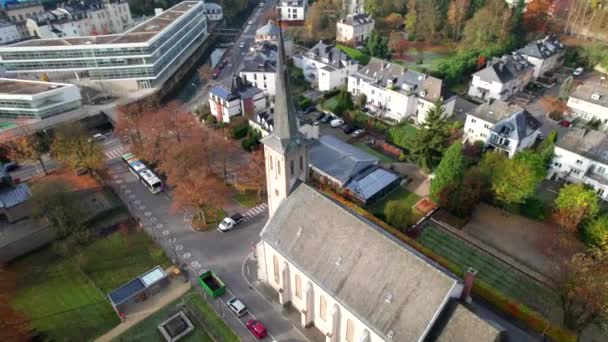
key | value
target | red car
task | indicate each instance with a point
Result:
(216, 73)
(565, 123)
(257, 328)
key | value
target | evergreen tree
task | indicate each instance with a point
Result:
(429, 143)
(377, 45)
(449, 170)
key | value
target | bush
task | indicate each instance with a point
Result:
(304, 102)
(595, 232)
(239, 131)
(533, 208)
(398, 214)
(252, 142)
(331, 93)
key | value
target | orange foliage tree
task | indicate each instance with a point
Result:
(536, 16)
(253, 175)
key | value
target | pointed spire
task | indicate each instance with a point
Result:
(285, 127)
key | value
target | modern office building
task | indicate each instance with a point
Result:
(140, 58)
(27, 100)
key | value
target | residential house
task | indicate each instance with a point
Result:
(343, 275)
(589, 101)
(270, 33)
(501, 78)
(502, 126)
(581, 156)
(395, 93)
(325, 66)
(18, 12)
(292, 11)
(355, 28)
(213, 11)
(259, 67)
(13, 199)
(239, 99)
(546, 54)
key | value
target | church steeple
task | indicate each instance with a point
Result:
(285, 150)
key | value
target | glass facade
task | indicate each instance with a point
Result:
(22, 109)
(120, 61)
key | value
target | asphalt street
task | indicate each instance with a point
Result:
(223, 253)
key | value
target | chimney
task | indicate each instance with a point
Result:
(469, 279)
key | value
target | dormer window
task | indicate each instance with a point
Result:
(595, 96)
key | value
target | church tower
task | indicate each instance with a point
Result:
(285, 150)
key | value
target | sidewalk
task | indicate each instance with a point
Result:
(176, 289)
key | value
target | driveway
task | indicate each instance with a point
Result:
(224, 253)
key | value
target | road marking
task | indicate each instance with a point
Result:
(179, 247)
(166, 232)
(187, 255)
(153, 219)
(142, 207)
(159, 226)
(115, 152)
(147, 213)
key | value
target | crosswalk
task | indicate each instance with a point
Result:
(255, 211)
(115, 152)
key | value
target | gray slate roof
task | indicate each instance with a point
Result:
(504, 69)
(337, 159)
(589, 143)
(367, 184)
(335, 57)
(465, 326)
(383, 282)
(543, 48)
(262, 59)
(270, 29)
(510, 120)
(11, 196)
(585, 91)
(357, 19)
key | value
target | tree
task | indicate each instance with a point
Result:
(377, 45)
(574, 204)
(582, 286)
(429, 142)
(517, 21)
(73, 147)
(205, 72)
(489, 26)
(14, 325)
(536, 15)
(595, 232)
(566, 87)
(535, 161)
(411, 20)
(56, 202)
(32, 146)
(514, 181)
(457, 14)
(398, 44)
(398, 214)
(394, 20)
(344, 103)
(253, 176)
(428, 21)
(461, 198)
(449, 171)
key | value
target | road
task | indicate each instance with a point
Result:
(31, 169)
(224, 253)
(234, 56)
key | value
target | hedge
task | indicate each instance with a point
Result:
(239, 131)
(508, 306)
(355, 54)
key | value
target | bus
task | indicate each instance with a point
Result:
(135, 165)
(151, 182)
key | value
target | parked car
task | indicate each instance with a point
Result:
(317, 116)
(237, 306)
(257, 328)
(262, 4)
(10, 166)
(578, 71)
(222, 65)
(348, 129)
(565, 123)
(336, 123)
(250, 22)
(325, 118)
(242, 45)
(216, 73)
(230, 222)
(358, 132)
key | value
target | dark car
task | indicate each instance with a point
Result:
(10, 166)
(317, 116)
(222, 65)
(348, 129)
(326, 118)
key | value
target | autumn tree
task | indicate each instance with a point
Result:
(398, 44)
(574, 204)
(398, 214)
(536, 15)
(253, 175)
(449, 171)
(514, 181)
(489, 26)
(14, 325)
(460, 198)
(457, 14)
(31, 146)
(411, 19)
(205, 72)
(595, 232)
(73, 147)
(582, 285)
(393, 20)
(132, 121)
(428, 21)
(430, 140)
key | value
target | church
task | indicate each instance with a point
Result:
(344, 275)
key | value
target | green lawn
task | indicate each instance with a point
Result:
(248, 199)
(430, 59)
(402, 135)
(202, 316)
(381, 156)
(65, 303)
(359, 56)
(330, 104)
(399, 194)
(494, 272)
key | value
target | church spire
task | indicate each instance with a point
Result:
(285, 128)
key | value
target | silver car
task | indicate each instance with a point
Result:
(237, 306)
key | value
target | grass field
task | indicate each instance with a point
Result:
(402, 135)
(248, 199)
(201, 315)
(430, 58)
(359, 56)
(330, 104)
(381, 156)
(399, 194)
(68, 303)
(491, 270)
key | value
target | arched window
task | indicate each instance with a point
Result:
(298, 286)
(323, 307)
(275, 264)
(291, 168)
(350, 330)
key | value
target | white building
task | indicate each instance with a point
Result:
(270, 33)
(214, 11)
(502, 78)
(142, 57)
(343, 275)
(581, 156)
(355, 28)
(19, 12)
(259, 67)
(590, 101)
(546, 54)
(293, 11)
(395, 93)
(34, 100)
(240, 99)
(325, 66)
(502, 126)
(8, 33)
